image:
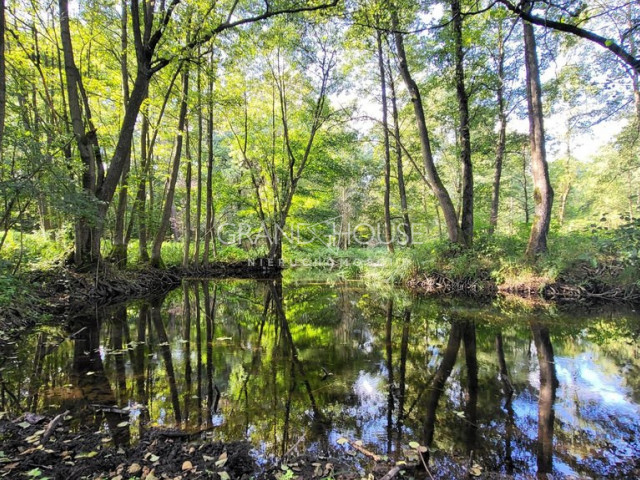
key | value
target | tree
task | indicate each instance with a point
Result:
(543, 192)
(149, 27)
(466, 217)
(431, 173)
(387, 151)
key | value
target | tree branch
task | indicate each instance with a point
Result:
(607, 43)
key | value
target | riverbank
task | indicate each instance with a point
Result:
(61, 292)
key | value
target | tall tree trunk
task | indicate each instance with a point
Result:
(3, 78)
(563, 202)
(87, 239)
(198, 235)
(187, 207)
(209, 215)
(387, 152)
(141, 210)
(525, 187)
(543, 193)
(406, 225)
(466, 217)
(156, 249)
(120, 241)
(502, 136)
(449, 211)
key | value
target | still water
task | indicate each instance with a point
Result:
(520, 389)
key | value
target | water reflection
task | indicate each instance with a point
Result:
(297, 367)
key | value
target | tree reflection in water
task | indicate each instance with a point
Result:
(298, 366)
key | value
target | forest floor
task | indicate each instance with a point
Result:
(38, 447)
(45, 448)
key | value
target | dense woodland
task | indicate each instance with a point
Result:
(133, 131)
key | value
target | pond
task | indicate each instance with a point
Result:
(512, 387)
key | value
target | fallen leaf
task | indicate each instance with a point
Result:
(475, 470)
(222, 459)
(134, 469)
(224, 476)
(187, 465)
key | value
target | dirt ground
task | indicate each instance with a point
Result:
(158, 454)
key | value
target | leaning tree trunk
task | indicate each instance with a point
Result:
(466, 218)
(543, 193)
(439, 190)
(406, 225)
(156, 250)
(387, 152)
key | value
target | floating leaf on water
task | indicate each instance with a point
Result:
(342, 441)
(359, 443)
(90, 373)
(459, 413)
(163, 344)
(122, 424)
(414, 445)
(224, 339)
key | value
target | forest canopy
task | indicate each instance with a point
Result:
(131, 131)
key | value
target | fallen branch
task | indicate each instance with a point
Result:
(392, 473)
(53, 424)
(364, 451)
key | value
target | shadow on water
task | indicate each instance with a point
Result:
(507, 388)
